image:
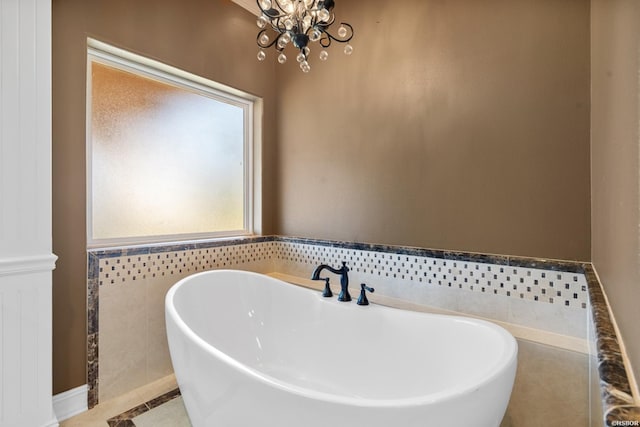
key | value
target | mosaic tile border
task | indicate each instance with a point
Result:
(506, 260)
(533, 284)
(615, 389)
(455, 272)
(123, 269)
(126, 418)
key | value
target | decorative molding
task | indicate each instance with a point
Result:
(249, 5)
(27, 264)
(71, 402)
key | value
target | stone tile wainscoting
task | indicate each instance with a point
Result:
(126, 287)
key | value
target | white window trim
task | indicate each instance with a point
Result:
(103, 53)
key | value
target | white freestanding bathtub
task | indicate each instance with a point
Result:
(251, 350)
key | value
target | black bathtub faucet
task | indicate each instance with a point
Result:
(344, 280)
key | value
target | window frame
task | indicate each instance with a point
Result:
(252, 109)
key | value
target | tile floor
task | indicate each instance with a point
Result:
(98, 416)
(169, 414)
(551, 388)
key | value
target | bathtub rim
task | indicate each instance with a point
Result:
(507, 360)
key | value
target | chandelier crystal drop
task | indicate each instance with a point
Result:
(299, 22)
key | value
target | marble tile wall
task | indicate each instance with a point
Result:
(618, 404)
(394, 270)
(126, 289)
(595, 399)
(127, 336)
(546, 299)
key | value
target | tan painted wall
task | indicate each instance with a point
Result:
(615, 124)
(211, 38)
(455, 125)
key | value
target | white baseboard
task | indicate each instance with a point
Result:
(52, 423)
(70, 403)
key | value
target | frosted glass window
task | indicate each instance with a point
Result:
(167, 160)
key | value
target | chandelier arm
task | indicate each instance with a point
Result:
(278, 26)
(267, 45)
(331, 20)
(284, 12)
(322, 25)
(266, 13)
(324, 41)
(347, 38)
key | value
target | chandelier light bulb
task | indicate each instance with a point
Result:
(262, 22)
(287, 6)
(288, 24)
(282, 58)
(305, 67)
(265, 4)
(261, 55)
(342, 31)
(323, 15)
(324, 55)
(264, 39)
(348, 49)
(315, 35)
(300, 58)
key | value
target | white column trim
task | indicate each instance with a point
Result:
(27, 264)
(26, 260)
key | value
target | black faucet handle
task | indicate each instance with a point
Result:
(327, 290)
(362, 299)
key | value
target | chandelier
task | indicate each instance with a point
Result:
(299, 22)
